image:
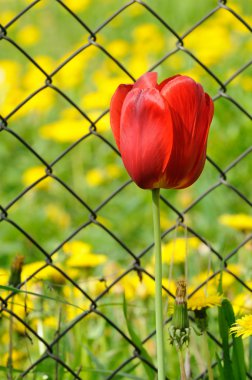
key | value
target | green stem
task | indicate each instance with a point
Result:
(181, 365)
(158, 285)
(208, 356)
(10, 357)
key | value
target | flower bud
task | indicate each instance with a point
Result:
(16, 269)
(179, 329)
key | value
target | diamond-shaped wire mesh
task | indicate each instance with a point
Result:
(76, 197)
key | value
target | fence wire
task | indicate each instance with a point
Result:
(50, 347)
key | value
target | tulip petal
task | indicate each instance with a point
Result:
(116, 108)
(164, 82)
(146, 136)
(192, 112)
(148, 80)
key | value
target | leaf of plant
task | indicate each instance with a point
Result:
(238, 361)
(137, 341)
(95, 360)
(220, 367)
(224, 333)
(12, 289)
(6, 369)
(250, 354)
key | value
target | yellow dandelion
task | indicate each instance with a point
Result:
(81, 255)
(227, 278)
(106, 80)
(67, 130)
(202, 301)
(138, 64)
(22, 306)
(226, 19)
(10, 95)
(18, 358)
(4, 276)
(51, 322)
(40, 103)
(33, 78)
(29, 35)
(118, 48)
(70, 75)
(103, 124)
(242, 303)
(171, 285)
(148, 39)
(241, 222)
(95, 177)
(6, 16)
(77, 5)
(31, 175)
(48, 273)
(193, 72)
(86, 260)
(219, 42)
(176, 250)
(76, 247)
(94, 100)
(242, 327)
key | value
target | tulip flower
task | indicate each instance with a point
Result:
(161, 130)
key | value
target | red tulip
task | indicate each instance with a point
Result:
(161, 130)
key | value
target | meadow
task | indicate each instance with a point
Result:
(75, 227)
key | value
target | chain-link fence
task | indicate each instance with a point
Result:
(98, 214)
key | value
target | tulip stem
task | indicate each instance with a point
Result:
(158, 285)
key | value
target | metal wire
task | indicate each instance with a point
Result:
(222, 181)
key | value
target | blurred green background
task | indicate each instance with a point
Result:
(50, 125)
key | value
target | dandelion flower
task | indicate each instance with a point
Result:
(242, 327)
(29, 35)
(200, 301)
(35, 173)
(95, 177)
(241, 222)
(176, 251)
(63, 130)
(81, 255)
(88, 260)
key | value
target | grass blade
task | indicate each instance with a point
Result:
(137, 341)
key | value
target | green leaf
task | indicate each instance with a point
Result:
(15, 290)
(220, 367)
(95, 360)
(5, 369)
(250, 354)
(224, 333)
(237, 364)
(238, 361)
(137, 341)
